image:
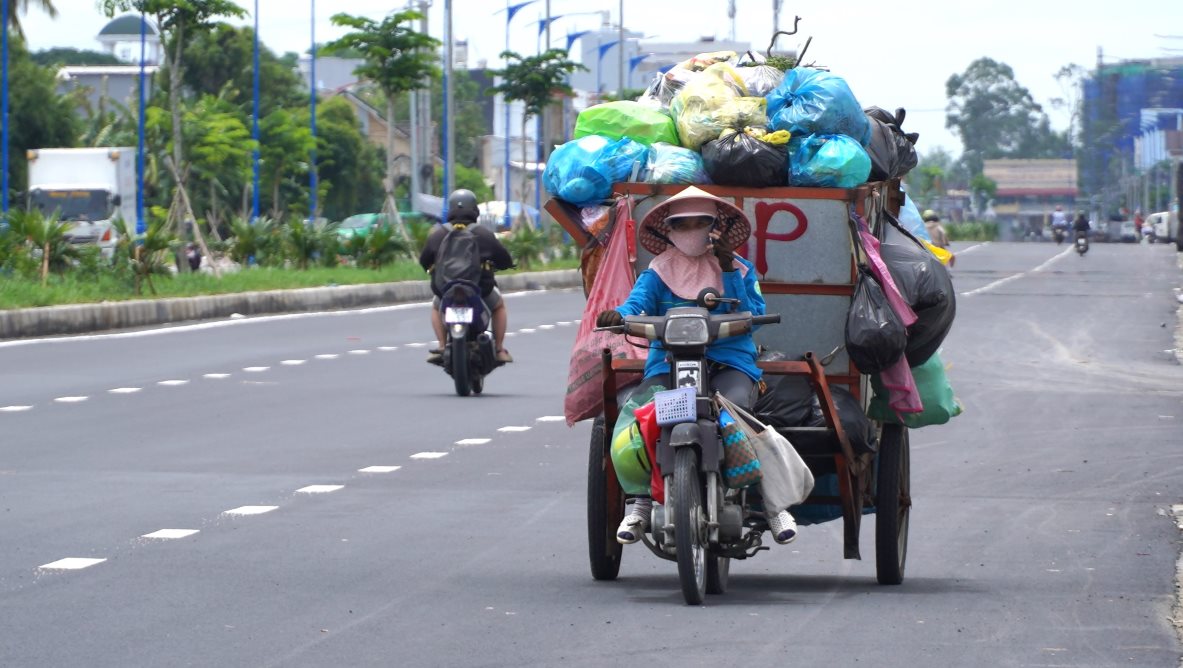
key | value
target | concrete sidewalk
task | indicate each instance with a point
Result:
(84, 318)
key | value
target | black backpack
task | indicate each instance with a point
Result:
(458, 259)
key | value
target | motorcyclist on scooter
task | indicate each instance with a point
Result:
(693, 236)
(462, 210)
(1059, 223)
(1081, 225)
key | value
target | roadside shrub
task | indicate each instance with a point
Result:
(972, 231)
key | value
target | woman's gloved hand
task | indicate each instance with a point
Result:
(609, 318)
(726, 258)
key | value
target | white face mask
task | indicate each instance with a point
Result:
(692, 243)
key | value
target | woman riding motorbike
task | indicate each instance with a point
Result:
(693, 236)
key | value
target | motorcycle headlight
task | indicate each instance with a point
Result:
(686, 331)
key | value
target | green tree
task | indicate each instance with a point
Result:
(396, 58)
(38, 116)
(63, 55)
(536, 81)
(23, 5)
(284, 154)
(349, 166)
(220, 147)
(996, 117)
(220, 62)
(178, 21)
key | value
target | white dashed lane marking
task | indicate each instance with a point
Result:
(428, 455)
(359, 352)
(551, 418)
(70, 400)
(292, 362)
(70, 564)
(387, 348)
(416, 345)
(319, 489)
(379, 469)
(250, 510)
(216, 376)
(546, 327)
(170, 534)
(527, 330)
(473, 441)
(125, 390)
(15, 409)
(327, 356)
(255, 369)
(564, 323)
(513, 429)
(172, 383)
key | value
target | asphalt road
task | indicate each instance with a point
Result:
(1039, 537)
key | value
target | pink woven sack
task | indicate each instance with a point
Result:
(614, 281)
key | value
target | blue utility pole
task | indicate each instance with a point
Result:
(141, 224)
(312, 171)
(255, 127)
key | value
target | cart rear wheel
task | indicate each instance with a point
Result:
(689, 527)
(605, 507)
(893, 502)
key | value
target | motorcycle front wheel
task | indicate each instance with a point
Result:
(460, 365)
(689, 527)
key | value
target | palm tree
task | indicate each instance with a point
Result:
(23, 7)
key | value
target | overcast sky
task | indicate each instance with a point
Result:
(893, 54)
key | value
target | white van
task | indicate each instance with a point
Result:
(1166, 226)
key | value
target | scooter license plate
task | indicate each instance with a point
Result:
(458, 314)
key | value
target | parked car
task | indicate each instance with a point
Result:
(1128, 232)
(359, 225)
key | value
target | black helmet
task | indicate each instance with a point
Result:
(462, 206)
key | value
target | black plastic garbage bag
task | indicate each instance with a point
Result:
(738, 159)
(927, 287)
(875, 336)
(789, 401)
(892, 155)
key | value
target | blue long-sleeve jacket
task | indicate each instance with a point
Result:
(650, 296)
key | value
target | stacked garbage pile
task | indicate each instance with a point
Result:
(719, 119)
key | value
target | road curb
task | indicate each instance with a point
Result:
(84, 318)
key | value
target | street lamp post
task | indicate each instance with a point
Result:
(448, 104)
(255, 125)
(510, 11)
(4, 107)
(141, 225)
(312, 180)
(603, 49)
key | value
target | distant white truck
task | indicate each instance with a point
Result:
(88, 188)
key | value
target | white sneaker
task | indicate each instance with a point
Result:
(636, 522)
(783, 527)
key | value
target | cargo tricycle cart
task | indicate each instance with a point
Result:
(807, 263)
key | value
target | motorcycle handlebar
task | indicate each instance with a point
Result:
(765, 319)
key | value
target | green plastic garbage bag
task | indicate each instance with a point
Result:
(936, 393)
(639, 122)
(628, 448)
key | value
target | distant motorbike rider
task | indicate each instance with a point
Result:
(940, 238)
(1081, 225)
(462, 210)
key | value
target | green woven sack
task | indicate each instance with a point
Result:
(634, 120)
(936, 393)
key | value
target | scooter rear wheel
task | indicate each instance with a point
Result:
(689, 527)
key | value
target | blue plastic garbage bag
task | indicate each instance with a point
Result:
(910, 219)
(828, 161)
(674, 165)
(811, 101)
(582, 171)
